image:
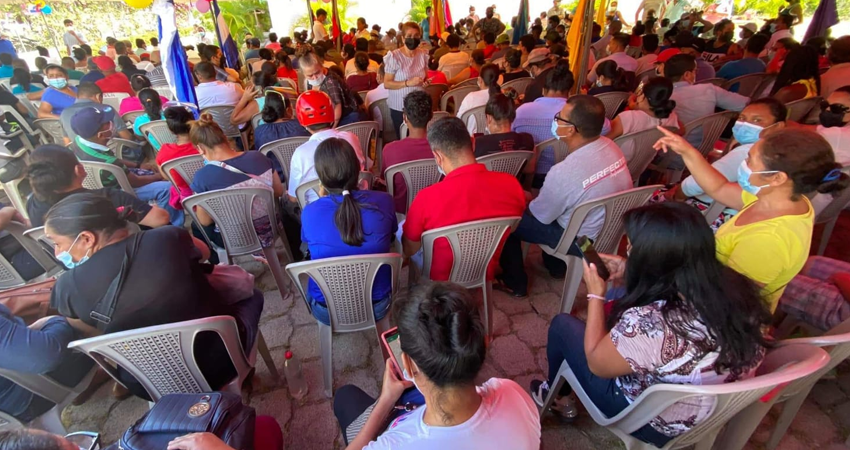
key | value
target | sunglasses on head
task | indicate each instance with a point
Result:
(835, 108)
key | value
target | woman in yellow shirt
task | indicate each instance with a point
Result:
(769, 239)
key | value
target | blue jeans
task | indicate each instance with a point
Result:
(566, 342)
(352, 117)
(321, 313)
(160, 191)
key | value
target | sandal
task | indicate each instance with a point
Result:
(499, 285)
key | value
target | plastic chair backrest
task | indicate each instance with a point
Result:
(9, 423)
(614, 205)
(113, 99)
(221, 116)
(457, 94)
(711, 127)
(165, 91)
(436, 92)
(465, 83)
(404, 132)
(31, 245)
(185, 167)
(388, 131)
(713, 212)
(161, 357)
(613, 101)
(364, 182)
(799, 109)
(417, 174)
(52, 128)
(9, 276)
(473, 245)
(289, 81)
(637, 148)
(520, 84)
(835, 341)
(255, 121)
(748, 85)
(231, 209)
(28, 104)
(283, 149)
(792, 363)
(508, 162)
(366, 132)
(93, 180)
(159, 130)
(558, 146)
(480, 118)
(647, 74)
(451, 70)
(346, 283)
(131, 116)
(6, 109)
(719, 82)
(250, 63)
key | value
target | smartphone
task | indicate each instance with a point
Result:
(589, 254)
(391, 342)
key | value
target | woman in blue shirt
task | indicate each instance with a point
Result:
(58, 96)
(346, 221)
(152, 105)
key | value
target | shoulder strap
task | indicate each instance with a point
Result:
(235, 170)
(103, 310)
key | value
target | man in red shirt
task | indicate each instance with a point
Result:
(469, 192)
(112, 81)
(417, 114)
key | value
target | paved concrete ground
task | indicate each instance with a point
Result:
(517, 352)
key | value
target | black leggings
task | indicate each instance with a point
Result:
(349, 403)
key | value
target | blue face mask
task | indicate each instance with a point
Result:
(67, 260)
(746, 133)
(744, 174)
(555, 129)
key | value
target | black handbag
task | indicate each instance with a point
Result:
(175, 415)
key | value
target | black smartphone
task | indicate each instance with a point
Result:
(589, 254)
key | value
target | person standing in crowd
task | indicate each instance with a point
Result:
(315, 112)
(59, 95)
(795, 10)
(675, 293)
(839, 71)
(345, 106)
(443, 350)
(71, 38)
(568, 184)
(500, 113)
(418, 112)
(347, 221)
(472, 15)
(319, 32)
(475, 193)
(489, 24)
(781, 29)
(425, 25)
(405, 71)
(750, 63)
(769, 240)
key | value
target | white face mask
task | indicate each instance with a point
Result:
(317, 82)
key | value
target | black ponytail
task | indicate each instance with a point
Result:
(339, 171)
(490, 76)
(657, 92)
(89, 211)
(151, 103)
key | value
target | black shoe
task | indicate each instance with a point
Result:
(500, 285)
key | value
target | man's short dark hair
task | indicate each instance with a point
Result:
(140, 42)
(588, 115)
(361, 45)
(265, 53)
(208, 51)
(450, 136)
(650, 43)
(678, 65)
(154, 41)
(67, 22)
(272, 37)
(757, 43)
(418, 107)
(453, 41)
(787, 19)
(622, 39)
(88, 90)
(205, 70)
(254, 42)
(527, 42)
(321, 12)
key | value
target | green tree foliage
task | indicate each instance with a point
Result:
(417, 11)
(342, 6)
(770, 8)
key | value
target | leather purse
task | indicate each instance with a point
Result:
(175, 415)
(29, 302)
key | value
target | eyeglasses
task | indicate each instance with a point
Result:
(558, 118)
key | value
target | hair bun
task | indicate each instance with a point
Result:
(206, 119)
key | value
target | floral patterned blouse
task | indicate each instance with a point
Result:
(657, 354)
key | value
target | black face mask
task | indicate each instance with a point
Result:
(833, 115)
(411, 43)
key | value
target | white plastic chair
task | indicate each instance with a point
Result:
(451, 70)
(508, 162)
(785, 365)
(185, 166)
(283, 149)
(709, 128)
(366, 132)
(52, 128)
(829, 215)
(364, 182)
(161, 357)
(436, 92)
(113, 99)
(473, 246)
(613, 101)
(49, 389)
(608, 240)
(388, 132)
(9, 276)
(465, 83)
(221, 116)
(9, 423)
(165, 91)
(255, 121)
(520, 85)
(346, 283)
(558, 146)
(476, 113)
(130, 117)
(158, 129)
(404, 132)
(33, 110)
(836, 342)
(456, 95)
(798, 110)
(713, 212)
(417, 175)
(93, 176)
(637, 148)
(25, 126)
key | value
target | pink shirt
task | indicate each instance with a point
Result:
(132, 104)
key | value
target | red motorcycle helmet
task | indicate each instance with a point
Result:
(313, 108)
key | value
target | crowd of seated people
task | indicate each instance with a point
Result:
(733, 278)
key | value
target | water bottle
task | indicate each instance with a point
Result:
(294, 377)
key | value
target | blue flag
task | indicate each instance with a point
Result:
(175, 63)
(225, 40)
(522, 19)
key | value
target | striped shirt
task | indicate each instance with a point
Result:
(405, 68)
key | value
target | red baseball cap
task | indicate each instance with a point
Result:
(667, 54)
(104, 62)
